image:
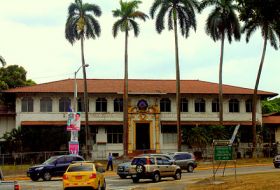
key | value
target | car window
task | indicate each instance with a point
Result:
(159, 161)
(76, 158)
(178, 157)
(80, 168)
(137, 161)
(51, 160)
(188, 156)
(69, 159)
(165, 162)
(60, 160)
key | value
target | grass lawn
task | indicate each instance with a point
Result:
(260, 181)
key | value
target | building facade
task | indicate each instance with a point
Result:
(151, 113)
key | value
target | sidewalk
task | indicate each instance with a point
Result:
(113, 173)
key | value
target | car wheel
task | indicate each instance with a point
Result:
(122, 176)
(34, 178)
(190, 168)
(104, 185)
(47, 176)
(276, 165)
(156, 177)
(135, 179)
(140, 169)
(177, 175)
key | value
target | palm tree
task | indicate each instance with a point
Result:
(127, 14)
(2, 61)
(222, 22)
(265, 16)
(81, 23)
(180, 12)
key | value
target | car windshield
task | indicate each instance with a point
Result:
(137, 161)
(80, 168)
(51, 160)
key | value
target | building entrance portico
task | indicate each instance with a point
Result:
(142, 136)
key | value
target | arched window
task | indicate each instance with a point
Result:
(249, 105)
(184, 105)
(46, 104)
(64, 104)
(215, 105)
(81, 105)
(118, 105)
(101, 105)
(165, 105)
(27, 104)
(233, 105)
(199, 105)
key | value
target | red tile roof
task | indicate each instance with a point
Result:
(137, 86)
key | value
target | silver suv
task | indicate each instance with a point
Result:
(185, 160)
(153, 167)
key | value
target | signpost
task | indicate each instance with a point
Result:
(223, 152)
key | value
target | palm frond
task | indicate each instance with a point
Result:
(160, 19)
(73, 8)
(93, 28)
(135, 27)
(139, 14)
(170, 20)
(70, 29)
(95, 9)
(154, 7)
(3, 61)
(117, 27)
(272, 38)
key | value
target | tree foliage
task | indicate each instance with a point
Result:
(271, 106)
(13, 76)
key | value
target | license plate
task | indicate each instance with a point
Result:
(134, 175)
(78, 177)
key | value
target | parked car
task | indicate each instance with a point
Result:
(276, 161)
(123, 169)
(185, 160)
(8, 185)
(153, 167)
(84, 175)
(53, 167)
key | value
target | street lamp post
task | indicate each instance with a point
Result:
(75, 109)
(75, 87)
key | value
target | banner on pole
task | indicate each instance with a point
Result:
(73, 121)
(74, 147)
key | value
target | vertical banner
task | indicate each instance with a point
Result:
(73, 121)
(74, 147)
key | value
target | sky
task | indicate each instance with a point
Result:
(32, 36)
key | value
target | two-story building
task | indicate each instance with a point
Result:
(151, 114)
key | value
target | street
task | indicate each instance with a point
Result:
(115, 183)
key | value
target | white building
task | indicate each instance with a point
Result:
(152, 110)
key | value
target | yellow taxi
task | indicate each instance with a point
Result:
(84, 174)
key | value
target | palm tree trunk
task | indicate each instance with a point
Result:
(178, 97)
(85, 98)
(254, 108)
(221, 110)
(125, 98)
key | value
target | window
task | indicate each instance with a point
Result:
(118, 105)
(199, 105)
(64, 104)
(81, 105)
(115, 134)
(101, 105)
(249, 105)
(46, 104)
(215, 105)
(27, 104)
(169, 134)
(233, 105)
(184, 105)
(165, 105)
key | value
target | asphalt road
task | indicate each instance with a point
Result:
(115, 183)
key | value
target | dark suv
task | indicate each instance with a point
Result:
(54, 166)
(185, 160)
(153, 167)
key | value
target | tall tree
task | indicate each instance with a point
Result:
(2, 61)
(81, 23)
(126, 14)
(221, 22)
(180, 12)
(265, 16)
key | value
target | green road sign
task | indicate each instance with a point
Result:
(223, 152)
